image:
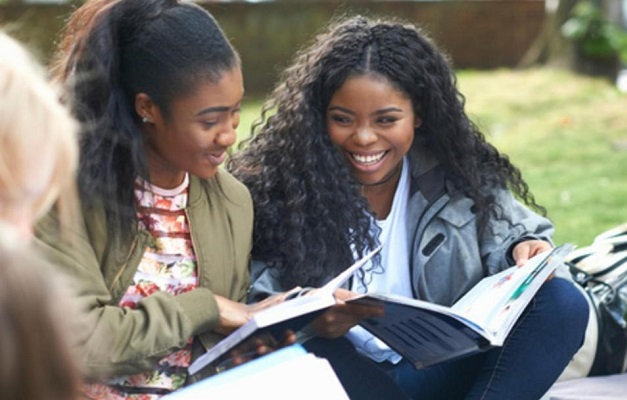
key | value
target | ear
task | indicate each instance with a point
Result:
(146, 109)
(417, 121)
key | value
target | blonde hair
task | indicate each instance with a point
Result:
(35, 129)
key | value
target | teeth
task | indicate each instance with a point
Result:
(368, 159)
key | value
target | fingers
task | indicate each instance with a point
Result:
(273, 300)
(343, 295)
(523, 251)
(263, 346)
(289, 337)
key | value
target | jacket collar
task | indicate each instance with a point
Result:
(195, 190)
(428, 176)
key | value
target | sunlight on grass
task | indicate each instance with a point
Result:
(562, 130)
(251, 109)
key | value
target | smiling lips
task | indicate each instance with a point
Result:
(216, 158)
(367, 159)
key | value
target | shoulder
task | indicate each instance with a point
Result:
(86, 231)
(225, 187)
(231, 186)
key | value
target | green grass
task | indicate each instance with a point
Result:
(565, 133)
(251, 110)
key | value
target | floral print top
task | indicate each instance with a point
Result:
(168, 264)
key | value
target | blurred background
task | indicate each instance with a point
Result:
(545, 80)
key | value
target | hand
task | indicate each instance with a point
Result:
(340, 318)
(523, 251)
(272, 300)
(234, 314)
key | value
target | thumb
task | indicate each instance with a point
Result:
(521, 254)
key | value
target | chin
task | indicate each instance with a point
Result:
(205, 174)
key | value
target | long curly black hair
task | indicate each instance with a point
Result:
(309, 211)
(112, 50)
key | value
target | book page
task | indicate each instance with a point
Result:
(426, 333)
(496, 301)
(288, 373)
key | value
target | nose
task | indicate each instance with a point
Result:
(365, 135)
(228, 136)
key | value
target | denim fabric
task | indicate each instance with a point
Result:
(538, 349)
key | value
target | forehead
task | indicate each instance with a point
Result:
(370, 90)
(227, 90)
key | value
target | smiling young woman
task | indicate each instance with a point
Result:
(373, 125)
(370, 144)
(162, 254)
(195, 135)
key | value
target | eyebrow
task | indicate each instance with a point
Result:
(218, 109)
(213, 110)
(378, 112)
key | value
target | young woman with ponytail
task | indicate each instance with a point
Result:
(160, 259)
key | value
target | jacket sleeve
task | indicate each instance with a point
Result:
(519, 224)
(117, 340)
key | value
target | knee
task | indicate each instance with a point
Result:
(565, 305)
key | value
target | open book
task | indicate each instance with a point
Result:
(288, 373)
(426, 333)
(293, 314)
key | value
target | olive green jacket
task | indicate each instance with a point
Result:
(118, 341)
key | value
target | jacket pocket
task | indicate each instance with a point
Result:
(451, 222)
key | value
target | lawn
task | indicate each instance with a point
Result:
(567, 133)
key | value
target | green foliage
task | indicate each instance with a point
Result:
(598, 37)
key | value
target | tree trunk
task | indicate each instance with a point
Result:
(551, 47)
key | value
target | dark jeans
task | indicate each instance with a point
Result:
(538, 349)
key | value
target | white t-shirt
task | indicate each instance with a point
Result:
(392, 276)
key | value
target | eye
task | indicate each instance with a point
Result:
(386, 119)
(340, 119)
(209, 123)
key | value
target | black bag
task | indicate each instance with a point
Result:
(601, 270)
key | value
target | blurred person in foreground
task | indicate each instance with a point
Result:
(38, 157)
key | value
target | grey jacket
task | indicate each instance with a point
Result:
(447, 255)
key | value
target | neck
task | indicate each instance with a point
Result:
(162, 175)
(381, 195)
